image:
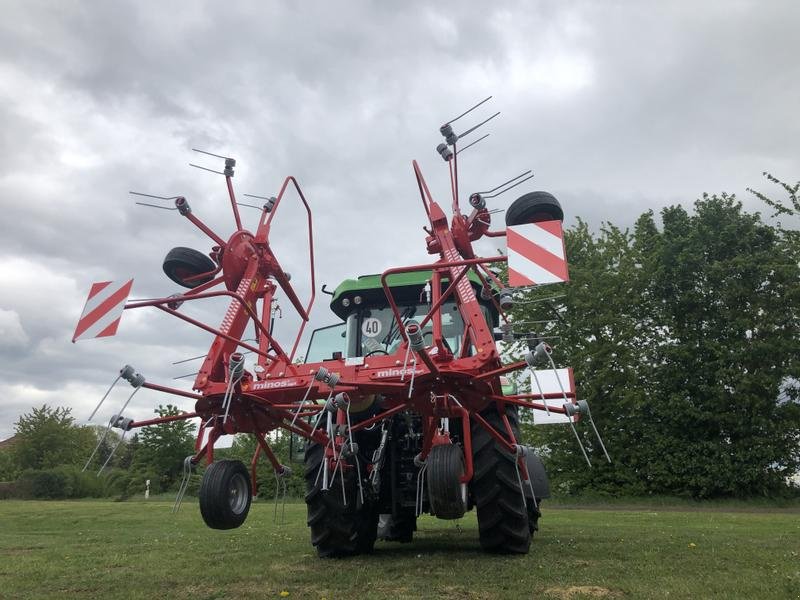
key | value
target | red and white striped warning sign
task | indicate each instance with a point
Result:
(536, 254)
(103, 309)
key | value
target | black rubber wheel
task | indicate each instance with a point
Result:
(400, 527)
(534, 207)
(225, 494)
(337, 528)
(445, 467)
(503, 523)
(182, 263)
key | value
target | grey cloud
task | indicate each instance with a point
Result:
(618, 107)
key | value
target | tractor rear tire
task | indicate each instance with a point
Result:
(337, 528)
(225, 494)
(534, 207)
(182, 263)
(503, 523)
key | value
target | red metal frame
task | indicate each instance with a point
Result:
(444, 385)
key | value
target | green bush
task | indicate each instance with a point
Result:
(60, 483)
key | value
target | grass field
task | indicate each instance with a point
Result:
(139, 549)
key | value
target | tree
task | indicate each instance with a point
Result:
(244, 446)
(163, 448)
(48, 437)
(682, 340)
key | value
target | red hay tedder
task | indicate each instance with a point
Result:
(406, 412)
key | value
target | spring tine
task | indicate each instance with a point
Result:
(541, 392)
(206, 169)
(250, 205)
(303, 401)
(319, 416)
(153, 196)
(597, 433)
(187, 375)
(566, 401)
(521, 181)
(100, 443)
(103, 399)
(577, 437)
(211, 154)
(111, 454)
(483, 137)
(469, 110)
(471, 129)
(155, 206)
(494, 189)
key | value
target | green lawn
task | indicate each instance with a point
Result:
(97, 549)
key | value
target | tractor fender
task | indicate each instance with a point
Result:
(541, 486)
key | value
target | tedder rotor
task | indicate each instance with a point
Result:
(404, 406)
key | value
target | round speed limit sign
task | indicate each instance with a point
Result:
(371, 327)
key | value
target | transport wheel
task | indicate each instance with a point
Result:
(337, 528)
(182, 263)
(225, 494)
(534, 207)
(503, 523)
(445, 467)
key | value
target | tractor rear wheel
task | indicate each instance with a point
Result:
(225, 494)
(338, 527)
(503, 522)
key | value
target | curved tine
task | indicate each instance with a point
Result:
(471, 129)
(212, 154)
(154, 196)
(510, 187)
(483, 137)
(155, 206)
(206, 169)
(466, 112)
(506, 183)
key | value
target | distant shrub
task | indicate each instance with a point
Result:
(59, 483)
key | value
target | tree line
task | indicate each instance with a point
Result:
(49, 458)
(684, 340)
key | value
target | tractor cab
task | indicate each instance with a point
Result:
(368, 326)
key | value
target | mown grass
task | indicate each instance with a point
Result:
(139, 549)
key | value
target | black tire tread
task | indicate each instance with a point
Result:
(214, 505)
(503, 524)
(532, 207)
(337, 530)
(445, 467)
(190, 259)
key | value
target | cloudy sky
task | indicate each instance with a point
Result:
(617, 107)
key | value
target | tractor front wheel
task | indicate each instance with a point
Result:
(340, 524)
(503, 522)
(225, 494)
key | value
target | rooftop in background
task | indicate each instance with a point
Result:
(6, 444)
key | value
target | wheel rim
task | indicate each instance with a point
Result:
(237, 494)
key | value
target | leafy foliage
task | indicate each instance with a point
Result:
(684, 342)
(162, 449)
(48, 437)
